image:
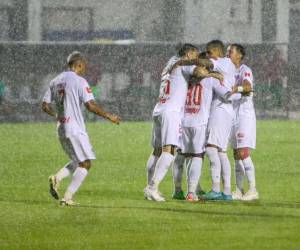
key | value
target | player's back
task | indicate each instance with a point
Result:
(225, 66)
(173, 88)
(199, 101)
(67, 91)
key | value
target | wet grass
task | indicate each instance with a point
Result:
(113, 214)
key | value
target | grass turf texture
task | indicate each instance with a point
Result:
(113, 213)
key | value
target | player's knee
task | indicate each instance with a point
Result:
(241, 153)
(171, 149)
(157, 152)
(86, 164)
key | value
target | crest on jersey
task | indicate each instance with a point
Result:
(88, 89)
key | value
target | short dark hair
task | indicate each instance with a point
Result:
(240, 49)
(74, 57)
(215, 44)
(203, 55)
(185, 48)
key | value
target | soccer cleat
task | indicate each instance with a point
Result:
(212, 196)
(200, 193)
(226, 197)
(65, 202)
(178, 195)
(152, 194)
(250, 196)
(192, 197)
(237, 195)
(53, 184)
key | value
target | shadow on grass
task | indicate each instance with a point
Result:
(185, 210)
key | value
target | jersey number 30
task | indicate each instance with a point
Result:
(194, 95)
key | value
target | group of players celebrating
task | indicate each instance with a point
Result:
(205, 101)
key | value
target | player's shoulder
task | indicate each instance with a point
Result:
(72, 76)
(245, 67)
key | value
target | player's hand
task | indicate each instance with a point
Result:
(247, 88)
(114, 119)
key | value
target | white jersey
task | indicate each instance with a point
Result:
(68, 91)
(224, 66)
(199, 100)
(173, 88)
(244, 106)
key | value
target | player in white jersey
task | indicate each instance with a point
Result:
(244, 128)
(167, 116)
(68, 91)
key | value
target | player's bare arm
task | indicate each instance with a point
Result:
(202, 72)
(94, 108)
(46, 107)
(198, 61)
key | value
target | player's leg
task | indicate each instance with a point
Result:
(244, 155)
(178, 166)
(226, 175)
(153, 158)
(246, 137)
(156, 144)
(219, 130)
(80, 151)
(170, 133)
(194, 172)
(78, 177)
(239, 176)
(64, 172)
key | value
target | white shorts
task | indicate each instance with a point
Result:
(219, 128)
(77, 147)
(194, 139)
(166, 129)
(244, 132)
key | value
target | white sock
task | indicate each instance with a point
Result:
(250, 172)
(215, 166)
(226, 172)
(64, 172)
(151, 167)
(178, 171)
(161, 168)
(194, 172)
(78, 177)
(239, 175)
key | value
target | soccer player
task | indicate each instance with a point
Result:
(69, 90)
(244, 128)
(167, 116)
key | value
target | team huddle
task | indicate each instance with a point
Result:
(205, 101)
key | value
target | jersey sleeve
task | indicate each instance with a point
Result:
(188, 70)
(85, 92)
(247, 75)
(48, 96)
(219, 89)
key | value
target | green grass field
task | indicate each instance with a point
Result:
(112, 212)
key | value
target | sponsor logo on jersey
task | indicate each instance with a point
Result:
(247, 74)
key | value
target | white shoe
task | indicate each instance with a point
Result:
(237, 195)
(53, 186)
(65, 202)
(153, 194)
(250, 196)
